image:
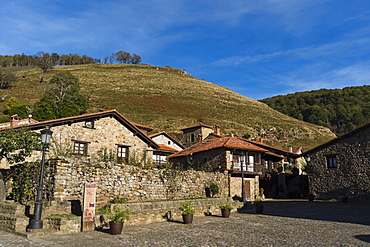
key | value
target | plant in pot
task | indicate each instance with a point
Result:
(311, 196)
(258, 205)
(187, 212)
(226, 209)
(117, 219)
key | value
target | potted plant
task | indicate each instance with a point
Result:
(311, 196)
(187, 212)
(226, 209)
(117, 219)
(258, 205)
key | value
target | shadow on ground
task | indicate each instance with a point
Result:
(357, 213)
(365, 238)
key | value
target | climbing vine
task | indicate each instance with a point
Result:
(23, 179)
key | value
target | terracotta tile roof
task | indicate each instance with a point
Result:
(167, 148)
(140, 126)
(91, 116)
(274, 154)
(221, 142)
(274, 149)
(198, 125)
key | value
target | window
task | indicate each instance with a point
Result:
(89, 124)
(80, 148)
(235, 161)
(122, 154)
(266, 165)
(331, 161)
(192, 137)
(159, 159)
(250, 166)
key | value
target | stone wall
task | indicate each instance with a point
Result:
(351, 178)
(12, 217)
(149, 212)
(131, 182)
(251, 190)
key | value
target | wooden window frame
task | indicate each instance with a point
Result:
(331, 161)
(79, 146)
(120, 158)
(90, 124)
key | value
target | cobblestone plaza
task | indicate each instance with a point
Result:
(283, 223)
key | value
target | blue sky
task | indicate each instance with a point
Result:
(258, 48)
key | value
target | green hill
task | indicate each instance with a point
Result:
(341, 110)
(169, 99)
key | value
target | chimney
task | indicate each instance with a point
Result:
(260, 140)
(291, 149)
(14, 120)
(217, 129)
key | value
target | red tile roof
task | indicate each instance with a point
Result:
(165, 147)
(221, 142)
(140, 126)
(91, 116)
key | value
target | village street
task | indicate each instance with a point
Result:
(283, 223)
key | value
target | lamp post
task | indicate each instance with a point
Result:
(36, 222)
(242, 160)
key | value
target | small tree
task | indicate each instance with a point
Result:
(122, 57)
(6, 80)
(62, 99)
(17, 144)
(44, 61)
(136, 59)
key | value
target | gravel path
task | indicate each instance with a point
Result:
(283, 223)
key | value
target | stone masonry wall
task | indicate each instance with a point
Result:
(351, 178)
(236, 187)
(131, 182)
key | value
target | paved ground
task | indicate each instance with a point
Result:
(283, 223)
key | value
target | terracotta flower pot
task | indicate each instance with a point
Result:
(115, 228)
(187, 218)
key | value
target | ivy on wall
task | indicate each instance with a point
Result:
(22, 181)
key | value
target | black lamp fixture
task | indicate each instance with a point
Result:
(242, 161)
(36, 222)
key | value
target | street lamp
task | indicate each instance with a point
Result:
(36, 222)
(242, 160)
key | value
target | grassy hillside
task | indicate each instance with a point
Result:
(169, 99)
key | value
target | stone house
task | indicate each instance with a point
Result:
(168, 145)
(197, 133)
(96, 136)
(341, 167)
(204, 154)
(227, 155)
